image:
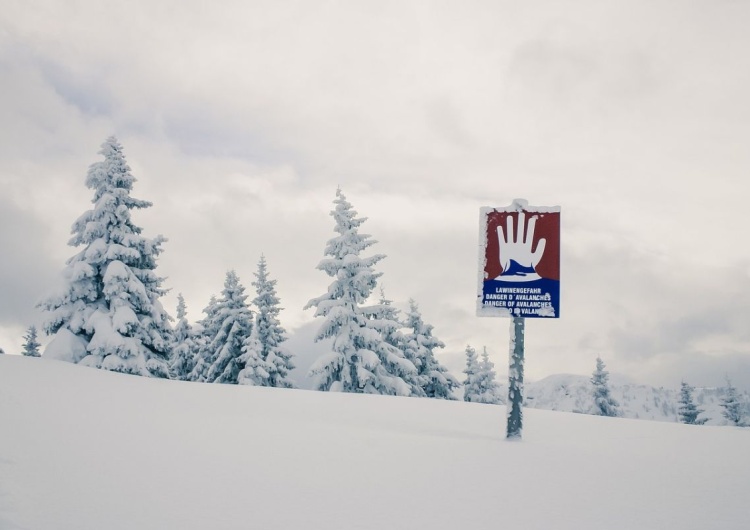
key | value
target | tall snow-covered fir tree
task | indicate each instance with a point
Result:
(433, 379)
(109, 315)
(732, 405)
(488, 388)
(182, 361)
(361, 360)
(271, 334)
(605, 404)
(31, 345)
(688, 412)
(231, 323)
(473, 371)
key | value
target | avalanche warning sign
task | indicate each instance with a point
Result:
(519, 261)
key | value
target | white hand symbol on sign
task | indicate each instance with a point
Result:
(516, 258)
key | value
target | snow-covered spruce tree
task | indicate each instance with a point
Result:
(387, 312)
(604, 403)
(31, 345)
(361, 360)
(109, 315)
(433, 379)
(732, 405)
(271, 334)
(182, 361)
(489, 390)
(256, 371)
(472, 388)
(233, 322)
(385, 319)
(688, 412)
(203, 333)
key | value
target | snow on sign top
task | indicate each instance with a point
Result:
(519, 261)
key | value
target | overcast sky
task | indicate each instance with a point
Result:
(240, 119)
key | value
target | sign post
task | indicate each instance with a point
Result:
(515, 379)
(519, 278)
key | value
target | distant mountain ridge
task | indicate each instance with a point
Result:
(572, 393)
(562, 392)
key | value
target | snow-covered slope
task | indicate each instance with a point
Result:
(87, 449)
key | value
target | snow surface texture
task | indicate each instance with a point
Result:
(90, 449)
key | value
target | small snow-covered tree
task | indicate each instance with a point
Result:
(488, 388)
(2, 351)
(473, 371)
(604, 403)
(732, 405)
(233, 321)
(256, 371)
(688, 412)
(110, 307)
(270, 333)
(31, 345)
(203, 333)
(361, 360)
(384, 318)
(433, 379)
(183, 348)
(391, 323)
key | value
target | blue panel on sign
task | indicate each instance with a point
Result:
(536, 298)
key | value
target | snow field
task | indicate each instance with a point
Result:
(89, 449)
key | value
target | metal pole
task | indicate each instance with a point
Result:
(515, 379)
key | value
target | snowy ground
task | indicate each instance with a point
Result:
(87, 449)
